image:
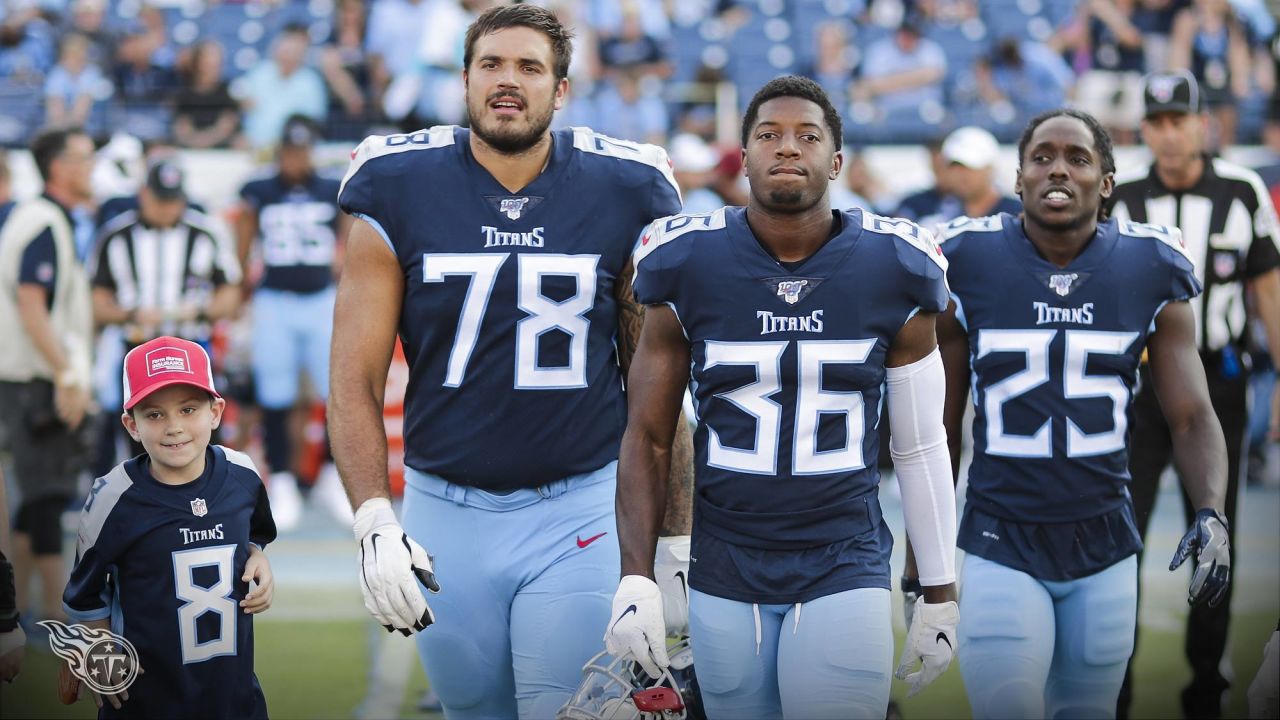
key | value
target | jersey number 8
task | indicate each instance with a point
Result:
(215, 598)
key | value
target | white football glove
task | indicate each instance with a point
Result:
(636, 627)
(932, 641)
(671, 568)
(391, 564)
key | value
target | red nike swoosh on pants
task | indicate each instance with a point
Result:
(583, 543)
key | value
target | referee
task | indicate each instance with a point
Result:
(162, 269)
(1229, 228)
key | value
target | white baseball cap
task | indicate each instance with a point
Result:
(972, 147)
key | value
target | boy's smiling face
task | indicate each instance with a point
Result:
(174, 425)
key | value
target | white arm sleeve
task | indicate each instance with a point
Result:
(919, 449)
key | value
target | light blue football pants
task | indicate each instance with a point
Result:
(291, 331)
(1032, 648)
(828, 658)
(526, 588)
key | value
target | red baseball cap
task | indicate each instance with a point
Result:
(163, 362)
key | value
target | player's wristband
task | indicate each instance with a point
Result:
(912, 585)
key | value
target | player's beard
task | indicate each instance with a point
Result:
(507, 137)
(787, 200)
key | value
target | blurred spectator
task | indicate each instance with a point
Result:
(729, 182)
(154, 28)
(1024, 76)
(922, 206)
(395, 35)
(862, 182)
(970, 154)
(46, 320)
(206, 116)
(609, 16)
(903, 74)
(88, 18)
(631, 49)
(1154, 18)
(26, 48)
(345, 64)
(1110, 88)
(280, 87)
(138, 78)
(947, 12)
(628, 109)
(436, 75)
(832, 62)
(1209, 41)
(844, 197)
(74, 85)
(162, 270)
(694, 163)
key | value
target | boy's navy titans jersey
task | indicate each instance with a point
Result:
(1054, 354)
(164, 563)
(787, 377)
(298, 229)
(509, 314)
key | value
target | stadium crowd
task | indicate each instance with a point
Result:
(146, 81)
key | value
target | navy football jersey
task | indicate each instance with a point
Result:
(509, 314)
(164, 563)
(1055, 354)
(298, 229)
(787, 378)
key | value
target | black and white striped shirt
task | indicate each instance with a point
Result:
(1229, 228)
(165, 268)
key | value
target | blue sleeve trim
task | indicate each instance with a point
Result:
(377, 226)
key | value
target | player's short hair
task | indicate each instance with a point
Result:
(530, 16)
(1101, 142)
(798, 87)
(49, 146)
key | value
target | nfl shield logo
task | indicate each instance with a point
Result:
(512, 207)
(1224, 264)
(1061, 284)
(199, 507)
(789, 290)
(1161, 87)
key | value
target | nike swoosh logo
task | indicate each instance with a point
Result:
(630, 609)
(942, 637)
(680, 577)
(583, 543)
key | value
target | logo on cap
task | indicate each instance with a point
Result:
(1162, 88)
(168, 360)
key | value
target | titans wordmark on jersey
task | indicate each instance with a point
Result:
(1054, 354)
(298, 226)
(164, 563)
(509, 313)
(788, 370)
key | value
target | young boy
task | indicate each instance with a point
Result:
(168, 544)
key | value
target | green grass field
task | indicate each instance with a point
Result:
(317, 669)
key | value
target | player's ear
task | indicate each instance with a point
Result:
(130, 425)
(217, 405)
(1017, 183)
(837, 162)
(562, 90)
(1108, 185)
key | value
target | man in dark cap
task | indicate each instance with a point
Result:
(1229, 229)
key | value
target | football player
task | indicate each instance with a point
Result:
(501, 257)
(293, 214)
(1051, 314)
(790, 319)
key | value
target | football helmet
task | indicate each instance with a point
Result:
(616, 688)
